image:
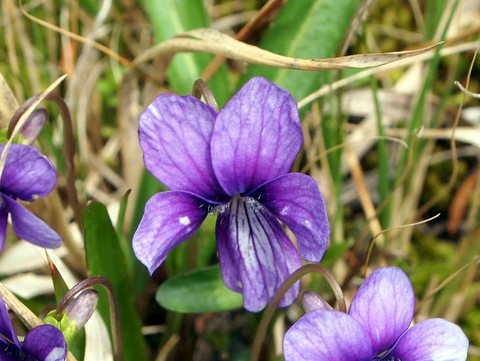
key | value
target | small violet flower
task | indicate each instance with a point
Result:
(376, 328)
(42, 343)
(234, 163)
(27, 175)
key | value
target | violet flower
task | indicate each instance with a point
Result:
(42, 343)
(376, 328)
(233, 163)
(27, 175)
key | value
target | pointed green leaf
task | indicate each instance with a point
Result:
(105, 258)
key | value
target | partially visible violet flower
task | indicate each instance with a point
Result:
(27, 175)
(42, 343)
(376, 328)
(234, 163)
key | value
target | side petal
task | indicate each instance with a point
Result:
(45, 343)
(3, 222)
(327, 335)
(31, 228)
(169, 219)
(432, 340)
(256, 256)
(174, 133)
(6, 327)
(296, 200)
(27, 174)
(257, 136)
(384, 304)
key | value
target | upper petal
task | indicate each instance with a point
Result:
(31, 228)
(6, 327)
(45, 343)
(169, 219)
(432, 340)
(174, 133)
(327, 335)
(256, 256)
(384, 304)
(257, 136)
(296, 200)
(27, 173)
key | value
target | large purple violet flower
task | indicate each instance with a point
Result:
(376, 328)
(27, 175)
(234, 163)
(42, 343)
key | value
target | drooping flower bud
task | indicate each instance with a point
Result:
(75, 315)
(311, 301)
(34, 125)
(82, 308)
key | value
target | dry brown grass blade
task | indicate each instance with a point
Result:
(211, 41)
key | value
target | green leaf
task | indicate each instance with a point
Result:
(105, 258)
(172, 17)
(304, 29)
(198, 291)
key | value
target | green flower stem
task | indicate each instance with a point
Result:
(289, 282)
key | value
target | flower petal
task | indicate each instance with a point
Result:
(257, 136)
(432, 340)
(327, 335)
(296, 200)
(3, 222)
(6, 327)
(384, 304)
(31, 228)
(169, 219)
(45, 343)
(256, 255)
(174, 133)
(27, 174)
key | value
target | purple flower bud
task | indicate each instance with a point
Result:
(82, 307)
(311, 301)
(34, 124)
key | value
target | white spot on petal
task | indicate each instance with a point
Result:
(57, 353)
(307, 223)
(184, 221)
(284, 210)
(240, 284)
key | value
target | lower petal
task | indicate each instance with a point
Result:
(6, 326)
(296, 200)
(169, 219)
(327, 335)
(433, 339)
(256, 256)
(45, 343)
(31, 228)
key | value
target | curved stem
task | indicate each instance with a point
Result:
(200, 88)
(289, 282)
(113, 303)
(68, 148)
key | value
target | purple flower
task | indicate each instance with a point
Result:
(233, 163)
(376, 328)
(42, 343)
(27, 175)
